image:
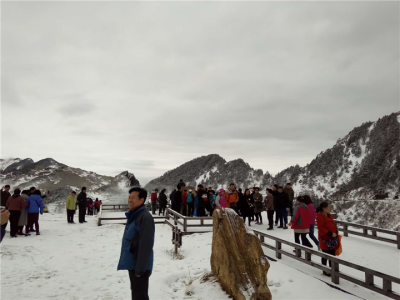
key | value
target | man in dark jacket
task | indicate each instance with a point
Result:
(289, 191)
(274, 192)
(177, 200)
(282, 207)
(82, 202)
(137, 244)
(5, 194)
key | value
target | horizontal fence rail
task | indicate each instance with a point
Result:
(369, 274)
(344, 226)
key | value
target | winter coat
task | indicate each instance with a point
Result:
(290, 193)
(70, 203)
(244, 206)
(82, 200)
(190, 198)
(137, 242)
(4, 197)
(177, 198)
(153, 196)
(281, 201)
(97, 204)
(232, 197)
(258, 203)
(35, 204)
(300, 218)
(311, 213)
(16, 203)
(163, 200)
(184, 198)
(171, 197)
(326, 227)
(269, 202)
(23, 218)
(220, 201)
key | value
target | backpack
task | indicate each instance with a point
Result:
(189, 198)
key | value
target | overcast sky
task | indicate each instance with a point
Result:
(145, 87)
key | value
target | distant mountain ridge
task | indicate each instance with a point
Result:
(362, 165)
(48, 174)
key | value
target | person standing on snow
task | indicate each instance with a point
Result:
(82, 202)
(35, 206)
(258, 206)
(23, 218)
(282, 206)
(184, 209)
(177, 200)
(190, 203)
(153, 198)
(289, 191)
(137, 244)
(300, 222)
(15, 204)
(244, 205)
(274, 193)
(70, 205)
(162, 199)
(232, 196)
(269, 207)
(312, 215)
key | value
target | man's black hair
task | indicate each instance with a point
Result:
(83, 188)
(142, 192)
(73, 192)
(156, 190)
(257, 188)
(231, 184)
(7, 186)
(181, 180)
(25, 192)
(38, 192)
(288, 183)
(32, 188)
(269, 191)
(279, 187)
(275, 185)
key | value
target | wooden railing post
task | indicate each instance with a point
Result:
(365, 232)
(278, 246)
(184, 225)
(398, 241)
(345, 228)
(369, 279)
(374, 233)
(201, 222)
(298, 252)
(261, 238)
(308, 256)
(387, 286)
(334, 271)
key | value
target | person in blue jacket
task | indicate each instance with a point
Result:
(35, 206)
(137, 244)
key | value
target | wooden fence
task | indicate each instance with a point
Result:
(369, 274)
(344, 226)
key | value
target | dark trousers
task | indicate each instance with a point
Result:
(258, 217)
(282, 216)
(3, 231)
(70, 215)
(184, 210)
(244, 219)
(304, 239)
(82, 212)
(270, 218)
(33, 218)
(161, 211)
(331, 252)
(312, 236)
(276, 217)
(190, 209)
(153, 207)
(14, 219)
(140, 285)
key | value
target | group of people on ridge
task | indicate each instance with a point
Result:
(22, 209)
(86, 206)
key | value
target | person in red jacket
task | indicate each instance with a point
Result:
(300, 222)
(184, 207)
(327, 232)
(154, 201)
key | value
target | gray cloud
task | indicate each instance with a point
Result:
(160, 83)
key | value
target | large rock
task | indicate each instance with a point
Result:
(237, 258)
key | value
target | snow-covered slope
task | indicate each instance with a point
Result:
(50, 175)
(211, 170)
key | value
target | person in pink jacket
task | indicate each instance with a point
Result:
(311, 214)
(300, 222)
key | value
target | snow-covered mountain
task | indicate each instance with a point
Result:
(50, 175)
(211, 170)
(365, 164)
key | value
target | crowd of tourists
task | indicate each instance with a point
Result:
(249, 204)
(21, 210)
(86, 206)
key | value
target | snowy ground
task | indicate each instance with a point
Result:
(79, 262)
